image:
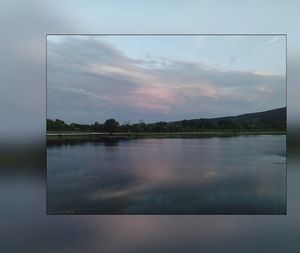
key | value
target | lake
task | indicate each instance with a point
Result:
(218, 175)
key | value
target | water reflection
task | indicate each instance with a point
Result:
(238, 175)
(73, 142)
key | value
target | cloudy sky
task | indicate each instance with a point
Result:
(153, 78)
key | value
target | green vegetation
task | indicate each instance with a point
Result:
(89, 136)
(273, 120)
(110, 125)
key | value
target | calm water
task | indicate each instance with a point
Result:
(229, 175)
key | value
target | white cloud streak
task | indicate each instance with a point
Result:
(102, 76)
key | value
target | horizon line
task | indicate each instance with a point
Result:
(237, 115)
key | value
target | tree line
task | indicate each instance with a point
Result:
(197, 125)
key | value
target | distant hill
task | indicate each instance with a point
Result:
(269, 120)
(272, 120)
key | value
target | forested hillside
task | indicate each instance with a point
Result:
(266, 121)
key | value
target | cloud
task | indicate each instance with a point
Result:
(99, 81)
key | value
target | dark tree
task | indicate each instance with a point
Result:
(111, 125)
(97, 127)
(57, 125)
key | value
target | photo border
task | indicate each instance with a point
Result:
(172, 34)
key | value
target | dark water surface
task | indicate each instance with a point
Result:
(227, 175)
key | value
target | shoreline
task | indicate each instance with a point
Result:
(90, 136)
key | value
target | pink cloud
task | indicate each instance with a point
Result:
(154, 98)
(155, 93)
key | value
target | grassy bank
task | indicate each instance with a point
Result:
(106, 136)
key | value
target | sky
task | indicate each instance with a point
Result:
(163, 78)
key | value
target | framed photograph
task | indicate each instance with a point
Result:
(166, 124)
